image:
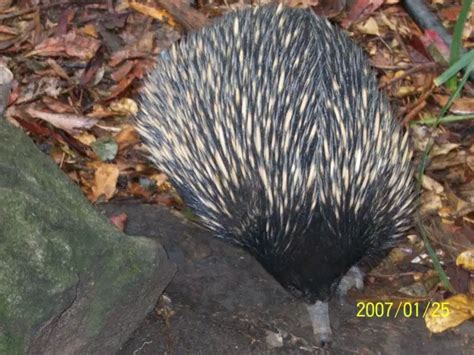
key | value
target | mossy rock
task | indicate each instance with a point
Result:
(69, 281)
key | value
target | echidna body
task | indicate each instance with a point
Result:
(270, 124)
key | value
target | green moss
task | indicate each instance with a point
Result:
(11, 344)
(50, 239)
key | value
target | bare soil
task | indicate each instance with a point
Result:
(222, 301)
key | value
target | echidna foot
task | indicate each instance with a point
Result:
(319, 314)
(354, 277)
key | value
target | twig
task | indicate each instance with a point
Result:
(414, 111)
(382, 276)
(419, 67)
(414, 106)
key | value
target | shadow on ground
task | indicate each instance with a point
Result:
(222, 301)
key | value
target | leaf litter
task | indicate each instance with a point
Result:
(78, 69)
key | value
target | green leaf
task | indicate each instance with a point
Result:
(106, 148)
(446, 119)
(462, 63)
(456, 44)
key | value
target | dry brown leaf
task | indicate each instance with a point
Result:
(123, 70)
(56, 105)
(80, 46)
(470, 162)
(72, 44)
(136, 189)
(99, 111)
(86, 138)
(89, 30)
(5, 4)
(69, 122)
(121, 86)
(161, 181)
(126, 137)
(328, 8)
(450, 160)
(57, 156)
(450, 13)
(124, 106)
(432, 185)
(461, 106)
(123, 54)
(146, 42)
(360, 9)
(451, 313)
(443, 149)
(49, 47)
(301, 3)
(405, 90)
(10, 31)
(445, 212)
(369, 27)
(105, 181)
(36, 88)
(387, 22)
(58, 69)
(125, 164)
(397, 254)
(158, 14)
(430, 202)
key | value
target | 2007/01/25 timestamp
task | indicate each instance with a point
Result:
(388, 309)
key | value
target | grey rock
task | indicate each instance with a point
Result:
(70, 283)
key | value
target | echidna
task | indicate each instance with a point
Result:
(271, 126)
